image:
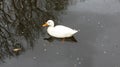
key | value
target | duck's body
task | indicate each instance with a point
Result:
(59, 31)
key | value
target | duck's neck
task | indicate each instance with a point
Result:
(51, 25)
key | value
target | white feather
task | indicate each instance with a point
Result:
(59, 31)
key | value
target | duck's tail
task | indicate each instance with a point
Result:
(75, 31)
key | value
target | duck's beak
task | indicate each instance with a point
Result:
(44, 25)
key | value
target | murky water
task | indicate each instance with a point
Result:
(97, 42)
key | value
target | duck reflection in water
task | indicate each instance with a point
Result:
(70, 39)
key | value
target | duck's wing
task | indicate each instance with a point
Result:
(64, 31)
(64, 28)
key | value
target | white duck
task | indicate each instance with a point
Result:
(59, 31)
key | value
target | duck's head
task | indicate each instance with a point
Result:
(49, 23)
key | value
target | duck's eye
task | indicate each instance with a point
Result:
(48, 22)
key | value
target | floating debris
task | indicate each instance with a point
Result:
(79, 62)
(78, 58)
(105, 52)
(57, 53)
(45, 49)
(22, 32)
(34, 58)
(98, 22)
(5, 25)
(17, 49)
